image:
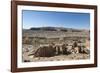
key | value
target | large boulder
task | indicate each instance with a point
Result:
(45, 51)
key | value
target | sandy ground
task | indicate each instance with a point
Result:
(31, 58)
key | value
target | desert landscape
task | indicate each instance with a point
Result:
(55, 44)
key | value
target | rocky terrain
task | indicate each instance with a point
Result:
(34, 38)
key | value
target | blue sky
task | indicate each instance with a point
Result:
(55, 19)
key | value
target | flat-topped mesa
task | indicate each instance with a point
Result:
(55, 32)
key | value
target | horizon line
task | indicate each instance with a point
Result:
(58, 27)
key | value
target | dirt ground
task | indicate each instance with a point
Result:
(31, 58)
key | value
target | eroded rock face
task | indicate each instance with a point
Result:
(50, 50)
(46, 51)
